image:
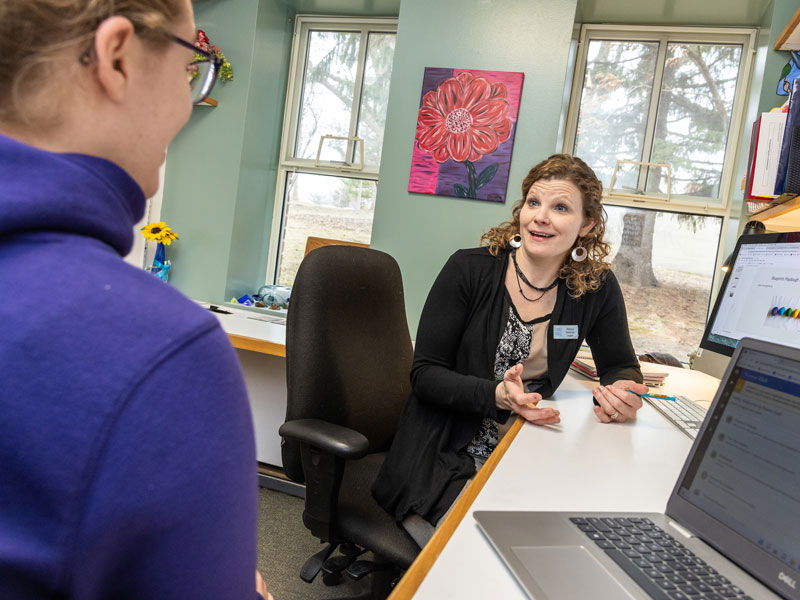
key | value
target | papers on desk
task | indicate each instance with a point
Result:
(241, 313)
(268, 318)
(584, 364)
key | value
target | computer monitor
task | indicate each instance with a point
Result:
(759, 298)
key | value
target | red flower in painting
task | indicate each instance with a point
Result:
(463, 119)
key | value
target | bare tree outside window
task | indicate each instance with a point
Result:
(665, 277)
(694, 115)
(614, 105)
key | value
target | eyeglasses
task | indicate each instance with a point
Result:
(202, 74)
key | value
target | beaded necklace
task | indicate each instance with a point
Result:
(521, 275)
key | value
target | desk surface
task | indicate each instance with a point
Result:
(248, 330)
(580, 465)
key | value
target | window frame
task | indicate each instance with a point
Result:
(664, 35)
(724, 206)
(287, 163)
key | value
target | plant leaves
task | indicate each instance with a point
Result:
(461, 191)
(486, 175)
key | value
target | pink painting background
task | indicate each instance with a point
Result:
(425, 170)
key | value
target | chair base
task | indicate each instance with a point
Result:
(314, 564)
(377, 578)
(333, 567)
(377, 586)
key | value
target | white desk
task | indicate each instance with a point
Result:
(579, 465)
(260, 342)
(249, 330)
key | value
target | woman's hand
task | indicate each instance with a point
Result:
(261, 587)
(616, 403)
(510, 395)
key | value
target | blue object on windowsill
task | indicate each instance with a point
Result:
(246, 300)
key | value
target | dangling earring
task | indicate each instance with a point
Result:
(516, 241)
(579, 253)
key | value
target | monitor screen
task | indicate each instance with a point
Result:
(760, 296)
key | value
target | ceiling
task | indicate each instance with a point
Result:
(730, 13)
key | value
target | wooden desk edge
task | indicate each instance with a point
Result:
(255, 345)
(412, 579)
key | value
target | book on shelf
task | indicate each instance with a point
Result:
(584, 365)
(792, 120)
(766, 155)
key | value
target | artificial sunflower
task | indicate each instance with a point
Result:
(159, 232)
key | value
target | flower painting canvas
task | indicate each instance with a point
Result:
(465, 133)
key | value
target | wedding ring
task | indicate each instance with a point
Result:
(614, 416)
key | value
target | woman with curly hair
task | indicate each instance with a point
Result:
(500, 327)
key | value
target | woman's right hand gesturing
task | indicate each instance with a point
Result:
(510, 395)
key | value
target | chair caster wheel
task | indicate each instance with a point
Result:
(331, 579)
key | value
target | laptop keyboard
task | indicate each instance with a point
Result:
(682, 412)
(660, 564)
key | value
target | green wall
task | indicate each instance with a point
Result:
(268, 77)
(219, 182)
(421, 231)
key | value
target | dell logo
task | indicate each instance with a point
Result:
(787, 580)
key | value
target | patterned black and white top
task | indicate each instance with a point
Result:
(515, 347)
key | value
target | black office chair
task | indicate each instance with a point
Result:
(348, 358)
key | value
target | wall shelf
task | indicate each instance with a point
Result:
(789, 39)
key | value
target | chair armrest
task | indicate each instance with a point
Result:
(341, 442)
(324, 448)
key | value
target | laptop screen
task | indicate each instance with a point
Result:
(745, 471)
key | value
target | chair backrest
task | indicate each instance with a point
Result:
(348, 350)
(312, 243)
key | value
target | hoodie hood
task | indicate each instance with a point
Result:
(72, 193)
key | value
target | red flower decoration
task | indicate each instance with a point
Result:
(202, 40)
(463, 119)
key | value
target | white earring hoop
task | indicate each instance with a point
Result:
(579, 254)
(516, 241)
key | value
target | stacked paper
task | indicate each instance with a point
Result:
(584, 364)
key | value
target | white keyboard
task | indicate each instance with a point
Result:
(681, 412)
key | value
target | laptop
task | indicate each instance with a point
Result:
(732, 523)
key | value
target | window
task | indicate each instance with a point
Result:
(332, 136)
(657, 113)
(665, 263)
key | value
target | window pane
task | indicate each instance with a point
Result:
(375, 95)
(665, 264)
(327, 100)
(324, 206)
(614, 106)
(694, 114)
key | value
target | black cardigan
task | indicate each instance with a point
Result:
(453, 385)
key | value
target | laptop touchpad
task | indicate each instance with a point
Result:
(568, 573)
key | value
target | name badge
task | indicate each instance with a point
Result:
(565, 332)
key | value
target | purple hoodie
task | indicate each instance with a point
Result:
(127, 457)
